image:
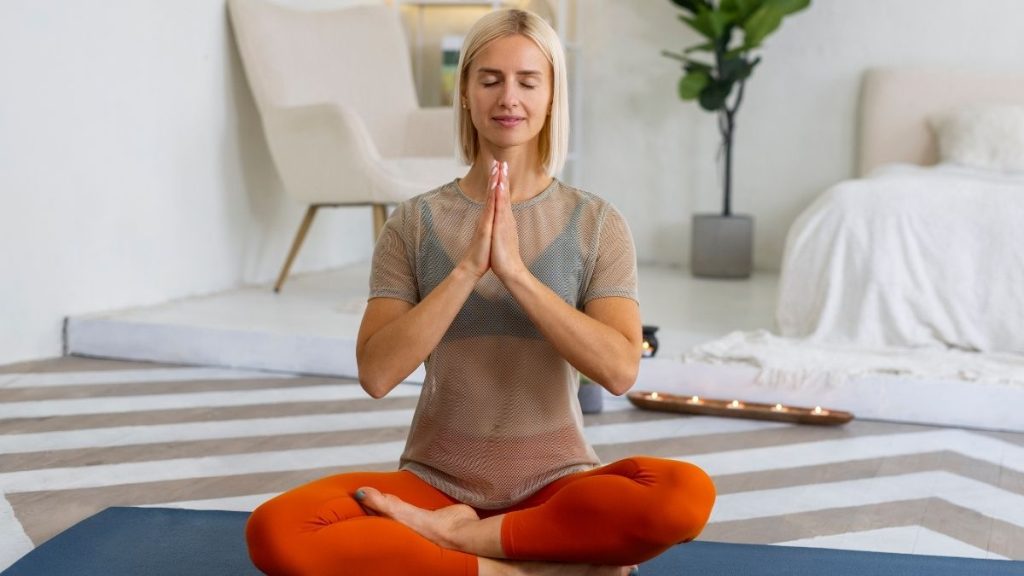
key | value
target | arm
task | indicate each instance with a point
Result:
(603, 342)
(396, 336)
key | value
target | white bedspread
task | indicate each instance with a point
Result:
(909, 257)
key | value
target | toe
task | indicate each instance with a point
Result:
(370, 498)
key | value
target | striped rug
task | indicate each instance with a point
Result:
(78, 435)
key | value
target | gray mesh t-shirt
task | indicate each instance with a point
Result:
(498, 417)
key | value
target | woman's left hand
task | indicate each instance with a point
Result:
(505, 259)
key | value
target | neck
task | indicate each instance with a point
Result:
(526, 175)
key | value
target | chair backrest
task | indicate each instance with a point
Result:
(356, 56)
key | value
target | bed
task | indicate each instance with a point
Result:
(926, 248)
(901, 294)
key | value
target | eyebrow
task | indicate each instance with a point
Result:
(518, 73)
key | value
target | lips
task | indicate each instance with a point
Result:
(509, 121)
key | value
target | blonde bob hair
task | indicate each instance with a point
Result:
(554, 136)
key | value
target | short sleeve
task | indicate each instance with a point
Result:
(615, 261)
(392, 274)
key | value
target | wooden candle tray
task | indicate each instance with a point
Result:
(737, 409)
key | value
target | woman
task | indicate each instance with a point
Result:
(505, 282)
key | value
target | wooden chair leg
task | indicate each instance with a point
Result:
(380, 216)
(296, 244)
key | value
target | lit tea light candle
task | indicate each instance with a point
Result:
(778, 408)
(819, 412)
(735, 404)
(654, 396)
(694, 400)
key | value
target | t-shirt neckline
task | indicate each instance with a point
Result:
(539, 197)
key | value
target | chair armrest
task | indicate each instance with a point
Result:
(430, 132)
(323, 152)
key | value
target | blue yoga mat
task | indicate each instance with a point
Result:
(170, 542)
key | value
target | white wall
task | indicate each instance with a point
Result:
(133, 169)
(654, 156)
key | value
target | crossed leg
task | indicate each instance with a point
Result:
(616, 515)
(320, 530)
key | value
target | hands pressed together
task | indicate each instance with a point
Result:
(495, 243)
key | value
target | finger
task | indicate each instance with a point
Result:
(489, 204)
(505, 183)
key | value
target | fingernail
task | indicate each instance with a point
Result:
(360, 495)
(504, 167)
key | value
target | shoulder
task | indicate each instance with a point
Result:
(445, 192)
(591, 205)
(410, 213)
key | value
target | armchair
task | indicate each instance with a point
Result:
(335, 92)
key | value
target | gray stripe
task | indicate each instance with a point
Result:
(28, 425)
(196, 449)
(932, 513)
(77, 364)
(164, 387)
(45, 514)
(998, 476)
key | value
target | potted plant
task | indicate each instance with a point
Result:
(731, 30)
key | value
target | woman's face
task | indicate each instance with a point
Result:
(508, 91)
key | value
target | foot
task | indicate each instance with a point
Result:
(441, 526)
(489, 567)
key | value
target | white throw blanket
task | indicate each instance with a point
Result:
(910, 257)
(788, 364)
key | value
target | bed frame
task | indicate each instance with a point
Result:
(895, 105)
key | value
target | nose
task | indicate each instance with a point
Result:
(509, 95)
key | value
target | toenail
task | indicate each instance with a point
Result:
(360, 494)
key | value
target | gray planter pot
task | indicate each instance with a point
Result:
(722, 246)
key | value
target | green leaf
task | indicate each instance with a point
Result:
(708, 46)
(741, 8)
(702, 26)
(691, 85)
(714, 21)
(712, 98)
(690, 5)
(734, 69)
(763, 22)
(787, 7)
(693, 65)
(736, 51)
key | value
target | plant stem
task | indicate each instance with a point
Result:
(727, 136)
(727, 124)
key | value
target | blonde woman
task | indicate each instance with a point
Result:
(507, 283)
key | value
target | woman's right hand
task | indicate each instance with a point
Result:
(477, 260)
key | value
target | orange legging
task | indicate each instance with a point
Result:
(620, 514)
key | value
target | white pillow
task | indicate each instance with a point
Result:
(987, 136)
